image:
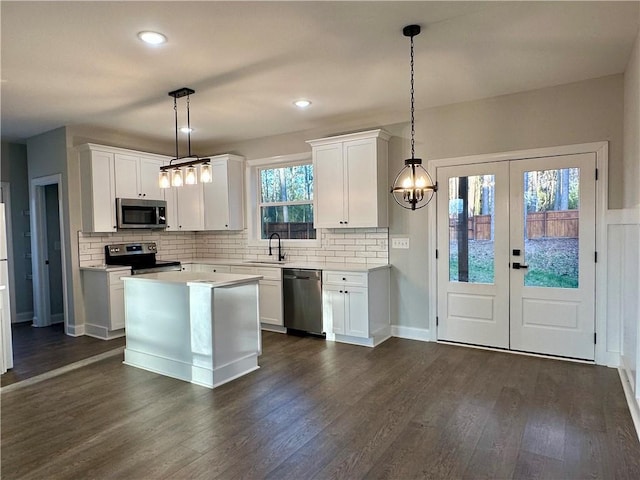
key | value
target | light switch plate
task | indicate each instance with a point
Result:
(400, 242)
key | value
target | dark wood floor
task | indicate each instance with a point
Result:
(40, 350)
(316, 409)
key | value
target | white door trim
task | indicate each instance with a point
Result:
(6, 191)
(601, 149)
(41, 303)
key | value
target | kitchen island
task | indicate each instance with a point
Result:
(199, 327)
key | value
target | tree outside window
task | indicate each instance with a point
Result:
(286, 202)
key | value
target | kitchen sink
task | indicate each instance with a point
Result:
(264, 262)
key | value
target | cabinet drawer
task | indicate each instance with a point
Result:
(345, 278)
(270, 273)
(115, 278)
(243, 270)
(214, 268)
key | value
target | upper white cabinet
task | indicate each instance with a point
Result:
(209, 206)
(107, 173)
(350, 180)
(223, 207)
(137, 176)
(98, 191)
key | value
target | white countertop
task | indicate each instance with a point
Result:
(338, 267)
(191, 279)
(101, 267)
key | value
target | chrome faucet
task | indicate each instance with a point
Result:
(280, 255)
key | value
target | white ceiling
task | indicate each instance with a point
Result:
(80, 63)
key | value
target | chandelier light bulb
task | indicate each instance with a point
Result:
(176, 178)
(163, 179)
(191, 178)
(205, 173)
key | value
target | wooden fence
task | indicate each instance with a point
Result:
(297, 230)
(552, 224)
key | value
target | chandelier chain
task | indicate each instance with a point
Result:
(412, 106)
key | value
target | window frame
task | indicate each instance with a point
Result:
(254, 225)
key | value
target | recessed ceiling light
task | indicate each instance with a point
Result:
(186, 130)
(302, 103)
(152, 38)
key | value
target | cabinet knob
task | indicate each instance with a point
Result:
(144, 194)
(346, 291)
(345, 222)
(341, 222)
(341, 291)
(344, 279)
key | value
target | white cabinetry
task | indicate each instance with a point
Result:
(104, 302)
(223, 207)
(209, 206)
(350, 180)
(137, 176)
(98, 193)
(205, 267)
(356, 306)
(270, 291)
(107, 173)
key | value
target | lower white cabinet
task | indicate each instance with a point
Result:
(355, 306)
(204, 267)
(270, 288)
(104, 303)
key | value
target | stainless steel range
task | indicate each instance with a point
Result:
(141, 257)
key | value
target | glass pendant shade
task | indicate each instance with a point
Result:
(205, 173)
(191, 177)
(413, 187)
(176, 178)
(163, 179)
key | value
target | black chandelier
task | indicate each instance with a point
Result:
(413, 187)
(187, 162)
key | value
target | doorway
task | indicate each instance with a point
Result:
(48, 259)
(516, 242)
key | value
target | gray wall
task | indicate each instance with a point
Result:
(581, 112)
(14, 171)
(632, 129)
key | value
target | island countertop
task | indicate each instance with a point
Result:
(212, 280)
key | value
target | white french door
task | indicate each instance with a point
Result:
(516, 244)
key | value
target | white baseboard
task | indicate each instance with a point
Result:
(24, 317)
(411, 333)
(75, 330)
(632, 401)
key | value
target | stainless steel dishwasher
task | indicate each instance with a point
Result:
(302, 295)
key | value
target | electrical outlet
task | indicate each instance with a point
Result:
(400, 242)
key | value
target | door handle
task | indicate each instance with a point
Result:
(518, 266)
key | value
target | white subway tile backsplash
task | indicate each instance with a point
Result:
(337, 246)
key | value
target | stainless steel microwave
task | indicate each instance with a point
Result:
(138, 213)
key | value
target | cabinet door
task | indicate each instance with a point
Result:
(361, 183)
(189, 202)
(356, 312)
(334, 308)
(216, 198)
(148, 185)
(116, 306)
(171, 198)
(103, 200)
(328, 171)
(126, 168)
(271, 302)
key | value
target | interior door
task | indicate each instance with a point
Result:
(553, 277)
(473, 270)
(516, 243)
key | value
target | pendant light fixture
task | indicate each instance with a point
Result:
(413, 187)
(188, 162)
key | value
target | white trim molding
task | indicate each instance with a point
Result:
(411, 333)
(601, 150)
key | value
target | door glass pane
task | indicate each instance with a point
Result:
(471, 229)
(551, 199)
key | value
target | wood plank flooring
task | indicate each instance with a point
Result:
(40, 350)
(317, 410)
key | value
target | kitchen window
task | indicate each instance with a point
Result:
(285, 201)
(279, 199)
